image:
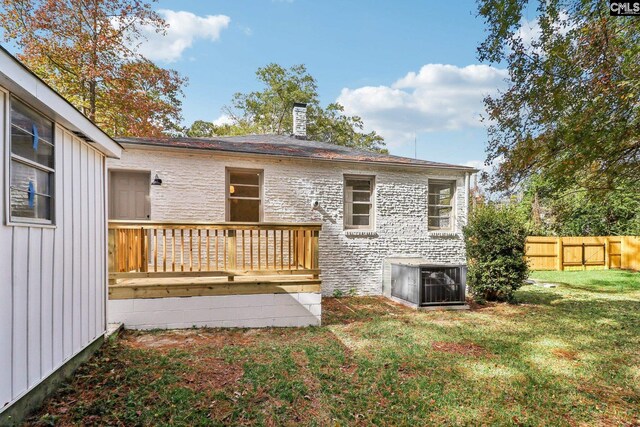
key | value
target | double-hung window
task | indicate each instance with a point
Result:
(441, 204)
(359, 202)
(32, 166)
(244, 195)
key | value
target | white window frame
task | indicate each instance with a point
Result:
(452, 221)
(372, 202)
(228, 197)
(12, 220)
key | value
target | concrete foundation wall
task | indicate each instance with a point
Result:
(230, 311)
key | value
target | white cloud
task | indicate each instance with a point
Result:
(437, 98)
(223, 119)
(184, 28)
(530, 30)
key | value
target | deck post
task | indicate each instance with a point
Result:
(560, 251)
(315, 251)
(144, 250)
(231, 251)
(111, 242)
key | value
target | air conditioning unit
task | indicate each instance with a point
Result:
(421, 284)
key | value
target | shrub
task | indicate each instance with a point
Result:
(495, 239)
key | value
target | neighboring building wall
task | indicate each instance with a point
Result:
(229, 311)
(193, 189)
(52, 279)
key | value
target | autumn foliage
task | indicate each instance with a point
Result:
(571, 112)
(86, 50)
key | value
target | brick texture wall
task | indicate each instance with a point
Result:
(193, 189)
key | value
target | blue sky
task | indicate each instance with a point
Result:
(362, 53)
(407, 67)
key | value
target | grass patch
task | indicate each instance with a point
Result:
(563, 356)
(609, 281)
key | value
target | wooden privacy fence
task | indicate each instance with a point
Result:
(583, 253)
(160, 249)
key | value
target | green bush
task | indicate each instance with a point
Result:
(495, 239)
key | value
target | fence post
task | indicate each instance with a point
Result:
(560, 254)
(607, 258)
(623, 253)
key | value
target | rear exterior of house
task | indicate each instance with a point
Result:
(53, 271)
(367, 208)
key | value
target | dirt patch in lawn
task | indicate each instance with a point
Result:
(212, 373)
(565, 354)
(463, 348)
(187, 339)
(347, 310)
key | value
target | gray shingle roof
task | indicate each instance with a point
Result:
(286, 146)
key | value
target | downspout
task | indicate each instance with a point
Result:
(467, 180)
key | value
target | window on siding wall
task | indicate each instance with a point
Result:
(244, 195)
(441, 199)
(358, 202)
(31, 166)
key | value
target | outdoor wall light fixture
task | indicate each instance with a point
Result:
(156, 181)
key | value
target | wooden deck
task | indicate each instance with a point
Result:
(159, 260)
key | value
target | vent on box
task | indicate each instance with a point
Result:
(421, 284)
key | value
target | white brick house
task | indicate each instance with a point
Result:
(295, 174)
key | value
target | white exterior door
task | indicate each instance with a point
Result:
(129, 195)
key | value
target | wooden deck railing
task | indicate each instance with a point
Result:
(163, 249)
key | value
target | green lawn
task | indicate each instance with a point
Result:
(564, 356)
(606, 281)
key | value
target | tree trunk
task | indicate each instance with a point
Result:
(92, 101)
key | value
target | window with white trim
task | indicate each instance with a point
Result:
(32, 165)
(244, 195)
(358, 202)
(441, 205)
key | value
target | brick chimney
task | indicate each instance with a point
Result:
(300, 120)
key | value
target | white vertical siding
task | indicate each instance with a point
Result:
(6, 288)
(52, 279)
(64, 209)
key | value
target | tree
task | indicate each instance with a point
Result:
(86, 50)
(572, 212)
(571, 112)
(270, 111)
(495, 241)
(204, 129)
